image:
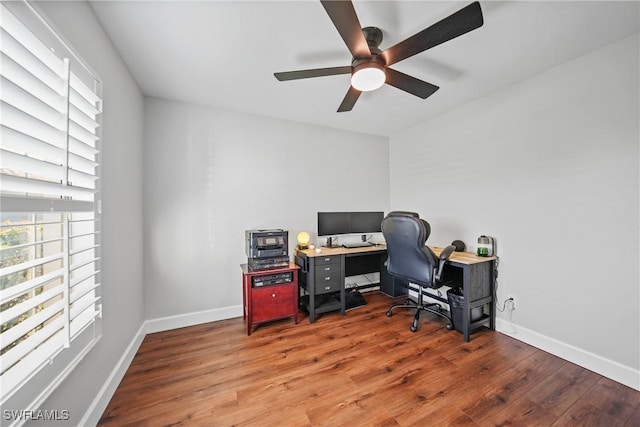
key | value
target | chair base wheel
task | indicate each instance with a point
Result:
(432, 308)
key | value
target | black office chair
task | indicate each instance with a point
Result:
(410, 259)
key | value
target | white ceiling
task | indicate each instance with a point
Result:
(224, 53)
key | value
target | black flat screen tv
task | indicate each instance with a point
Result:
(334, 223)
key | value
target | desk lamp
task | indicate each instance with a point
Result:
(303, 240)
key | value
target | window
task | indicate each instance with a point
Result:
(49, 214)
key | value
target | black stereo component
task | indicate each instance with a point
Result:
(271, 279)
(266, 243)
(268, 263)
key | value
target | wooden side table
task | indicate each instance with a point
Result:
(265, 300)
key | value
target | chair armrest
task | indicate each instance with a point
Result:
(444, 256)
(446, 252)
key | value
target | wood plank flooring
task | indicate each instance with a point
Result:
(364, 369)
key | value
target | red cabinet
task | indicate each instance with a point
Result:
(269, 295)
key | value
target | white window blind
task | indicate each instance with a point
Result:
(50, 116)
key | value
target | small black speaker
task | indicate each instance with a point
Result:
(459, 244)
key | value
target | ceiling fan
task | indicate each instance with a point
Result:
(370, 66)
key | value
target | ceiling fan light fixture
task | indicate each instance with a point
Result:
(371, 67)
(368, 76)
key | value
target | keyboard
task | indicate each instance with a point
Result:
(357, 244)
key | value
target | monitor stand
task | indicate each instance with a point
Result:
(329, 243)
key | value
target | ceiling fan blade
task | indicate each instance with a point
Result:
(349, 100)
(344, 18)
(410, 84)
(466, 19)
(316, 72)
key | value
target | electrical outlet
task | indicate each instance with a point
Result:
(511, 302)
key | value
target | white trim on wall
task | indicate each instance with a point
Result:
(190, 319)
(608, 368)
(99, 404)
(108, 389)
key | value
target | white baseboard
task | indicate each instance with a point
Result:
(99, 404)
(189, 319)
(605, 367)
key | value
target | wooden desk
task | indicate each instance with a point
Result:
(321, 281)
(322, 275)
(477, 275)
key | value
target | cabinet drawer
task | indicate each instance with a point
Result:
(271, 302)
(329, 282)
(325, 269)
(331, 259)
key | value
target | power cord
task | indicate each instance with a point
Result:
(495, 285)
(351, 285)
(511, 310)
(504, 306)
(508, 304)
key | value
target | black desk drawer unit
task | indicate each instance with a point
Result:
(321, 284)
(327, 275)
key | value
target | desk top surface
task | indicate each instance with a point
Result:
(341, 250)
(464, 257)
(459, 257)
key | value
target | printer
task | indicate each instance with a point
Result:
(266, 249)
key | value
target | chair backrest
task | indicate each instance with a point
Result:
(409, 258)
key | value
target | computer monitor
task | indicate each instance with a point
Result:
(332, 223)
(366, 222)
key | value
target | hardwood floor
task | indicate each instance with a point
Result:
(364, 369)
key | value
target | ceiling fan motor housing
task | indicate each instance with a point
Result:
(373, 35)
(375, 61)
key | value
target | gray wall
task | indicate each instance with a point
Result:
(122, 208)
(549, 167)
(211, 174)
